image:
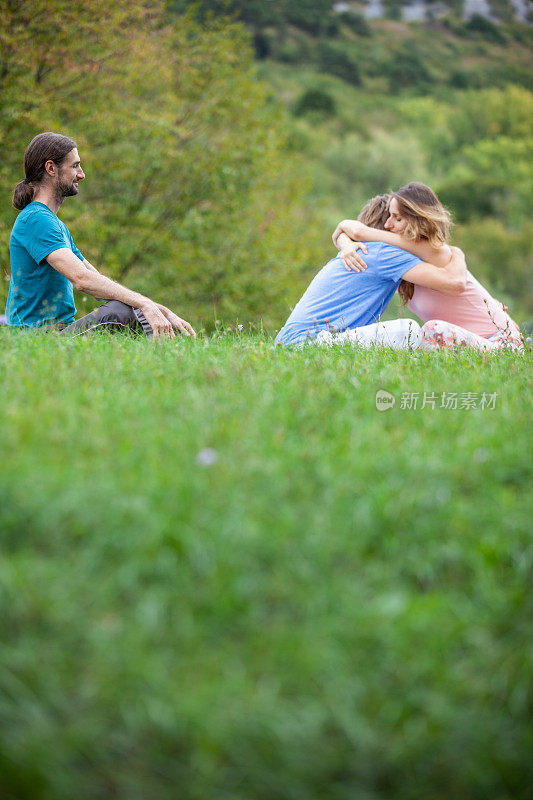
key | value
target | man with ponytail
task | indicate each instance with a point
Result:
(46, 264)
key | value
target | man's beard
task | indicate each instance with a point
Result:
(66, 189)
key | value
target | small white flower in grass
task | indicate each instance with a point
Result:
(481, 455)
(240, 327)
(442, 495)
(206, 457)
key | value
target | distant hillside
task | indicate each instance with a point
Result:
(422, 58)
(447, 47)
(319, 16)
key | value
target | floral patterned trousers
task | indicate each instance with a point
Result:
(436, 334)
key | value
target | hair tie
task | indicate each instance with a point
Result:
(25, 180)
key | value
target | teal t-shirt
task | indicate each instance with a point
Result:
(38, 293)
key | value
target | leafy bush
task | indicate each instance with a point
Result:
(470, 116)
(293, 48)
(485, 28)
(503, 75)
(255, 13)
(315, 101)
(502, 9)
(313, 16)
(494, 176)
(334, 60)
(502, 258)
(406, 68)
(356, 23)
(464, 79)
(468, 195)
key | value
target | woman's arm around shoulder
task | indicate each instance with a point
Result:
(450, 279)
(357, 231)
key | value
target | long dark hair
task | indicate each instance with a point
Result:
(42, 148)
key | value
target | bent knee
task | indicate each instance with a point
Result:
(116, 311)
(432, 326)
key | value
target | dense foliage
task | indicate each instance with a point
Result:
(224, 574)
(314, 16)
(190, 194)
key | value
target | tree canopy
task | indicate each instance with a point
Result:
(189, 186)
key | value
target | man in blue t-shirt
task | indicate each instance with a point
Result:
(338, 299)
(46, 264)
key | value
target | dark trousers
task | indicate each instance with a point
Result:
(113, 316)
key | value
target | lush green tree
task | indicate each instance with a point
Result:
(492, 176)
(502, 258)
(190, 193)
(483, 27)
(335, 60)
(256, 13)
(56, 72)
(406, 68)
(311, 15)
(315, 101)
(355, 22)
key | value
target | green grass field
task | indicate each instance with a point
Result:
(225, 575)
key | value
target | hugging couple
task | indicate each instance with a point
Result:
(405, 248)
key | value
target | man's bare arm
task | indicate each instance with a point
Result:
(86, 278)
(89, 266)
(181, 324)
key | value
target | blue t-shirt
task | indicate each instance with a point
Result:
(337, 299)
(38, 293)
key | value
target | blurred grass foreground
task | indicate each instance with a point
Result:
(226, 575)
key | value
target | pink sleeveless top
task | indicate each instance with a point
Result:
(474, 309)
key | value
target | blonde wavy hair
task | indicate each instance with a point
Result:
(424, 214)
(426, 218)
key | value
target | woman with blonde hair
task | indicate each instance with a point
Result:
(418, 223)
